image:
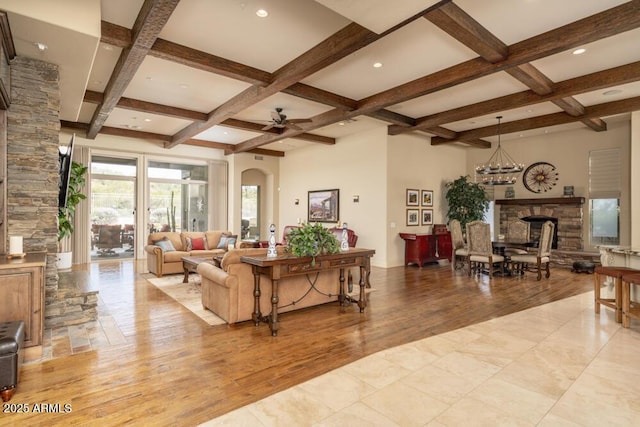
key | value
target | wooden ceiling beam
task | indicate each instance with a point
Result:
(533, 78)
(570, 105)
(591, 112)
(121, 37)
(458, 24)
(228, 148)
(605, 24)
(152, 18)
(342, 43)
(193, 58)
(465, 29)
(602, 79)
(595, 123)
(182, 113)
(602, 25)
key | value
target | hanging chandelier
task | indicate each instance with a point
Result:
(500, 169)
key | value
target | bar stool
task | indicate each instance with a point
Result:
(616, 274)
(629, 311)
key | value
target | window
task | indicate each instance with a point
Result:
(177, 197)
(604, 195)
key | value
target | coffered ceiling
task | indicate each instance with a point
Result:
(212, 72)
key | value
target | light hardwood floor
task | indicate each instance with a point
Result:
(173, 369)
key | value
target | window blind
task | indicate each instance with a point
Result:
(604, 174)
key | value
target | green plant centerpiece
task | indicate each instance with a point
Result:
(467, 201)
(311, 240)
(74, 197)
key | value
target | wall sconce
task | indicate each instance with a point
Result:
(356, 199)
(296, 202)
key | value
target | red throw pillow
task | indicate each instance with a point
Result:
(197, 243)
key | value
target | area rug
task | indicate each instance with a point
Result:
(187, 294)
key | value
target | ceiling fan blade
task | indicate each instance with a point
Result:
(269, 126)
(293, 126)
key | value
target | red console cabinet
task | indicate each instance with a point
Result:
(422, 248)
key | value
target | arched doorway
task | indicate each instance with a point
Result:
(252, 204)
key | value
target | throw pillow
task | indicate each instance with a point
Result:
(226, 240)
(165, 245)
(196, 243)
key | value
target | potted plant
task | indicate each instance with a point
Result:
(312, 240)
(467, 201)
(66, 213)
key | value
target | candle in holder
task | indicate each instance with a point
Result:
(15, 245)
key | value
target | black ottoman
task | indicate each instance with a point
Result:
(583, 267)
(11, 340)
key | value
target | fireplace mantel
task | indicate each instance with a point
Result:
(544, 201)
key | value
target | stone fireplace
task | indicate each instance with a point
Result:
(567, 213)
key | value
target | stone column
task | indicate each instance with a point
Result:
(33, 126)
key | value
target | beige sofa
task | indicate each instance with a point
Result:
(228, 290)
(160, 262)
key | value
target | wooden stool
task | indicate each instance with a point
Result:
(616, 274)
(629, 308)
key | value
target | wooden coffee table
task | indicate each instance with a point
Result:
(190, 264)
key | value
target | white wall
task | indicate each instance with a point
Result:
(414, 163)
(356, 165)
(568, 151)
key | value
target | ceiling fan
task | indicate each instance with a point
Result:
(279, 120)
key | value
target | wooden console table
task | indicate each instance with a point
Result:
(282, 266)
(22, 297)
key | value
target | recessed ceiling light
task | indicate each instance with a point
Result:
(612, 92)
(41, 46)
(183, 86)
(107, 47)
(377, 65)
(579, 51)
(262, 13)
(147, 120)
(341, 124)
(225, 132)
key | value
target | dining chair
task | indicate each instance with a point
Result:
(522, 263)
(518, 231)
(460, 250)
(481, 249)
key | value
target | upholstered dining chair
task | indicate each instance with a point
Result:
(518, 231)
(542, 258)
(481, 249)
(460, 250)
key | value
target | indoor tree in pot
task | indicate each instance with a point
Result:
(311, 240)
(66, 214)
(467, 201)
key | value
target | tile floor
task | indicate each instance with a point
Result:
(67, 340)
(555, 365)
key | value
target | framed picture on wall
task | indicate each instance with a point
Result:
(324, 206)
(427, 216)
(413, 217)
(427, 198)
(413, 197)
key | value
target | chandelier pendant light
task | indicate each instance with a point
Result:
(500, 169)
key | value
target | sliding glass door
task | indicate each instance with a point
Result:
(113, 206)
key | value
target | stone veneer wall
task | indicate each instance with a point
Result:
(33, 126)
(570, 226)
